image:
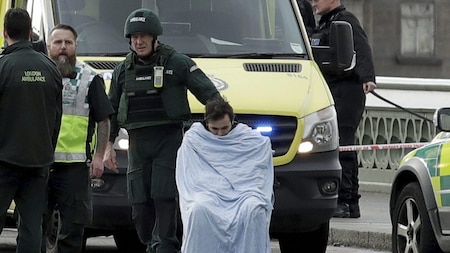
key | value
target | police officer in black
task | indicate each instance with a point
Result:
(349, 91)
(149, 92)
(30, 118)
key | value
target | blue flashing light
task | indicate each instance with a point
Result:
(265, 130)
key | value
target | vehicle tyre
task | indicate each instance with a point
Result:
(128, 241)
(411, 229)
(310, 242)
(52, 232)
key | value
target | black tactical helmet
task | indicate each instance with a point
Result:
(142, 21)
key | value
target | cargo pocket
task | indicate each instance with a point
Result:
(163, 183)
(136, 187)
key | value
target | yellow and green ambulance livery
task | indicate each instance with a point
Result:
(436, 157)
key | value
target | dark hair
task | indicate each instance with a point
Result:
(17, 24)
(65, 27)
(217, 108)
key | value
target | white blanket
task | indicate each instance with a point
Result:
(225, 185)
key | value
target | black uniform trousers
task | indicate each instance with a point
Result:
(151, 185)
(27, 186)
(349, 101)
(69, 192)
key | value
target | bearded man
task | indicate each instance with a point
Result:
(86, 108)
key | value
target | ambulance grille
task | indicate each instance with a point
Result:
(252, 67)
(283, 128)
(102, 65)
(272, 67)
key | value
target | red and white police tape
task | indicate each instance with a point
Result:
(382, 146)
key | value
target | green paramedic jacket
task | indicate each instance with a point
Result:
(30, 106)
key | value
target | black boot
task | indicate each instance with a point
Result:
(342, 211)
(354, 210)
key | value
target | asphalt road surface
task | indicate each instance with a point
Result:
(106, 245)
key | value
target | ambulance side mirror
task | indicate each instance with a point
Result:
(340, 55)
(441, 119)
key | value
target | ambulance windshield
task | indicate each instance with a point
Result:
(194, 27)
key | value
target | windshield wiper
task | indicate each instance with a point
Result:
(100, 54)
(115, 54)
(255, 56)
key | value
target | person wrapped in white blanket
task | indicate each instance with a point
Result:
(224, 176)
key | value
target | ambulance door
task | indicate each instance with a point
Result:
(4, 6)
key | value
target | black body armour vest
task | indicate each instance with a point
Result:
(144, 100)
(140, 100)
(144, 103)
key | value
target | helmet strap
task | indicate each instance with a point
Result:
(154, 45)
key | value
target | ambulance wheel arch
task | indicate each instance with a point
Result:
(411, 224)
(412, 195)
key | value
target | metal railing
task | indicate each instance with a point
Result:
(385, 124)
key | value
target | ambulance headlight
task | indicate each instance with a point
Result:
(321, 132)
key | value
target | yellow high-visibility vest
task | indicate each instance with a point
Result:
(71, 146)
